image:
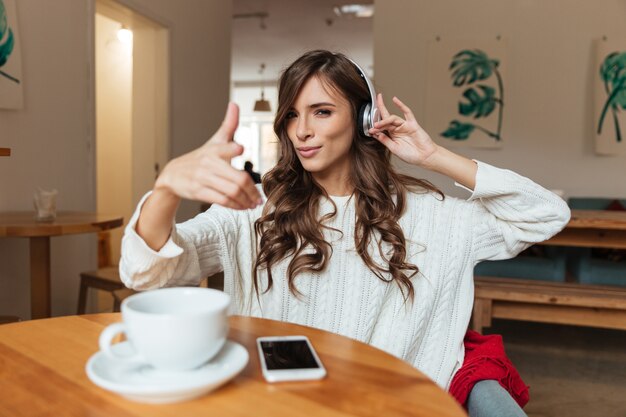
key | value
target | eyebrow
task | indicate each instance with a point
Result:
(316, 105)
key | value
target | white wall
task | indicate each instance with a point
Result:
(549, 119)
(52, 137)
(114, 125)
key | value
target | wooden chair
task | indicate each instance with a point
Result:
(105, 278)
(119, 296)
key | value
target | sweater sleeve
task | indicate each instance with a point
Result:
(194, 250)
(510, 212)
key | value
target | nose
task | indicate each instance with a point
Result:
(303, 130)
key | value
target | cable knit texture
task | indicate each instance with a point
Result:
(445, 238)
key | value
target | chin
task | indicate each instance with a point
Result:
(312, 166)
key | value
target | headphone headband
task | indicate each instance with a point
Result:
(369, 114)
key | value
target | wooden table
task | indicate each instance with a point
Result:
(42, 369)
(593, 228)
(560, 302)
(23, 224)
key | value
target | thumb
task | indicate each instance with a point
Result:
(229, 125)
(229, 150)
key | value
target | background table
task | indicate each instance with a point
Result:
(42, 368)
(560, 302)
(23, 224)
(593, 228)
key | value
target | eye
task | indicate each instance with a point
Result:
(323, 112)
(290, 115)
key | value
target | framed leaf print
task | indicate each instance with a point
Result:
(465, 92)
(610, 97)
(11, 95)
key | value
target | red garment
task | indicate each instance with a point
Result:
(485, 359)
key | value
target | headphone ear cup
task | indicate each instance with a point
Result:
(363, 123)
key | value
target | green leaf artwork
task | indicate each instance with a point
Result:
(480, 106)
(468, 67)
(6, 42)
(458, 130)
(613, 73)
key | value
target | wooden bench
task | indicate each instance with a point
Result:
(547, 302)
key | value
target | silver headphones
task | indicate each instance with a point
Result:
(369, 113)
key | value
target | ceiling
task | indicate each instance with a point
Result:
(291, 28)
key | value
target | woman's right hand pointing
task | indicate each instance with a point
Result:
(206, 175)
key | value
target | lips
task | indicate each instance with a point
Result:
(308, 151)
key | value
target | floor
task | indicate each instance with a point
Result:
(572, 371)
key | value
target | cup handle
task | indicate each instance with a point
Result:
(106, 337)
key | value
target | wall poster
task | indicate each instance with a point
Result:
(11, 94)
(465, 92)
(610, 97)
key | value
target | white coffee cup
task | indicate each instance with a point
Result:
(172, 329)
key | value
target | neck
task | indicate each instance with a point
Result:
(336, 185)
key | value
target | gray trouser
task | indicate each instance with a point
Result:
(489, 399)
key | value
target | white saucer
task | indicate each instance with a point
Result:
(141, 382)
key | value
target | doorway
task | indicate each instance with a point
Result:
(132, 114)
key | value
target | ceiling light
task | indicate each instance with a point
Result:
(354, 10)
(262, 104)
(125, 36)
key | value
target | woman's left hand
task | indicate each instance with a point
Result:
(406, 139)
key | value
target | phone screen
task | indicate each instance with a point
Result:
(288, 354)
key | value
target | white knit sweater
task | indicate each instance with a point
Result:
(445, 239)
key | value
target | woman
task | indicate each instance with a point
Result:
(342, 242)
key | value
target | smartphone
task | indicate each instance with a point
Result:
(289, 358)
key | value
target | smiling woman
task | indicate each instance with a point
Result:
(320, 126)
(324, 154)
(342, 242)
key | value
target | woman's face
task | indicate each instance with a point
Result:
(320, 126)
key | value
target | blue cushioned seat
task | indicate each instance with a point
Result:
(592, 203)
(549, 267)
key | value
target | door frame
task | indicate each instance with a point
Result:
(91, 79)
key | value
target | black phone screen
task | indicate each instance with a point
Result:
(288, 354)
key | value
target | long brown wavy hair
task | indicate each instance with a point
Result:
(290, 223)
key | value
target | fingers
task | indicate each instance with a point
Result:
(213, 196)
(230, 194)
(382, 137)
(241, 181)
(381, 106)
(408, 114)
(393, 120)
(229, 150)
(229, 125)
